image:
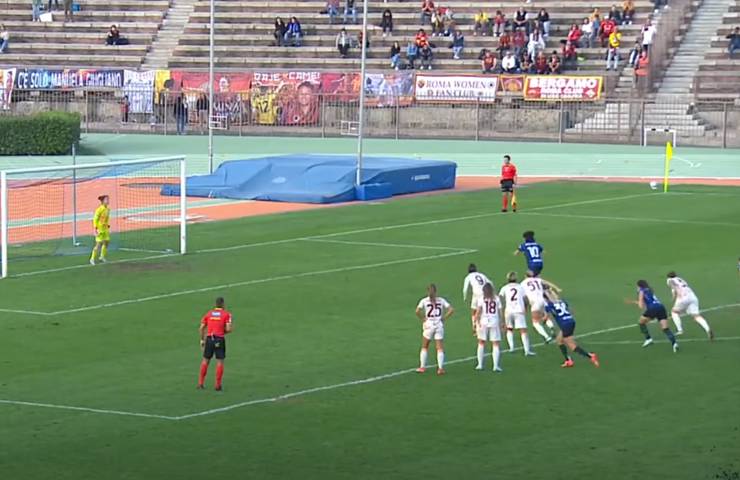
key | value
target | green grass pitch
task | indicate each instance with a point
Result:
(323, 304)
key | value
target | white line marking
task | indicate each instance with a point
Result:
(299, 393)
(377, 244)
(87, 265)
(680, 340)
(635, 219)
(22, 312)
(687, 162)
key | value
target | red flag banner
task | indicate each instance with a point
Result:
(286, 98)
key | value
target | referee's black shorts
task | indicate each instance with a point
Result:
(215, 346)
(507, 186)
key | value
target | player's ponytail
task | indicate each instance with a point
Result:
(488, 290)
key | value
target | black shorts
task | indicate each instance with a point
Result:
(568, 329)
(215, 346)
(536, 269)
(507, 186)
(656, 313)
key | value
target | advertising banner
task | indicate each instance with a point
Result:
(381, 89)
(138, 87)
(455, 88)
(285, 98)
(562, 87)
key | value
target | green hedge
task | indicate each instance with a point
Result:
(47, 133)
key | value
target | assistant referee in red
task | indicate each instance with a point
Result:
(214, 326)
(508, 182)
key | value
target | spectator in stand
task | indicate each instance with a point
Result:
(450, 28)
(544, 20)
(396, 56)
(569, 55)
(595, 30)
(553, 64)
(421, 38)
(332, 9)
(4, 38)
(201, 105)
(180, 109)
(628, 11)
(438, 25)
(68, 12)
(641, 70)
(446, 13)
(615, 15)
(586, 33)
(499, 23)
(349, 9)
(279, 31)
(635, 54)
(36, 10)
(541, 66)
(734, 44)
(427, 55)
(343, 42)
(412, 53)
(458, 44)
(607, 27)
(526, 65)
(113, 37)
(489, 62)
(504, 43)
(56, 5)
(509, 63)
(519, 41)
(536, 44)
(482, 23)
(648, 33)
(520, 20)
(386, 22)
(294, 31)
(358, 41)
(125, 107)
(612, 52)
(427, 9)
(574, 34)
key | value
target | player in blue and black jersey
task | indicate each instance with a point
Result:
(652, 309)
(532, 251)
(560, 311)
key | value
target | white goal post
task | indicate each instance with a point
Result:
(667, 131)
(46, 211)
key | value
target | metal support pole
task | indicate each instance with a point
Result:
(560, 122)
(361, 126)
(398, 117)
(477, 119)
(75, 243)
(210, 88)
(4, 224)
(724, 125)
(642, 123)
(323, 116)
(183, 208)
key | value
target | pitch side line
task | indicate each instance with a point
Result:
(636, 219)
(299, 393)
(377, 244)
(680, 340)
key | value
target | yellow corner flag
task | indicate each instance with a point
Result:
(668, 157)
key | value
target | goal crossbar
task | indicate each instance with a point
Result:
(670, 131)
(4, 206)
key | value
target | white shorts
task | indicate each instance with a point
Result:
(490, 333)
(515, 320)
(687, 305)
(474, 302)
(537, 306)
(433, 330)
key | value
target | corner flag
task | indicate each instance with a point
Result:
(668, 157)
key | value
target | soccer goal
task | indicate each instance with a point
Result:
(47, 213)
(659, 131)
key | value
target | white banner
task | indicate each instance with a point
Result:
(139, 88)
(455, 88)
(7, 81)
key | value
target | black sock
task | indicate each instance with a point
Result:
(583, 352)
(670, 335)
(564, 351)
(644, 330)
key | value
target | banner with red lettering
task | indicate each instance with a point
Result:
(381, 89)
(455, 88)
(562, 87)
(285, 98)
(230, 93)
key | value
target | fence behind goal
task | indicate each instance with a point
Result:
(46, 214)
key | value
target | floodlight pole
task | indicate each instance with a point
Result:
(210, 88)
(361, 126)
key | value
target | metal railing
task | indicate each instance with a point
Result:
(253, 113)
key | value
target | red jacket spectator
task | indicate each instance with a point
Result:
(574, 35)
(504, 41)
(568, 51)
(427, 6)
(607, 27)
(520, 39)
(488, 64)
(540, 64)
(421, 38)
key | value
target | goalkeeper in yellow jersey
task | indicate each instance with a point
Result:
(101, 224)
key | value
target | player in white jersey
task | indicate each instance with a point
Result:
(515, 312)
(433, 311)
(534, 287)
(488, 327)
(685, 302)
(474, 281)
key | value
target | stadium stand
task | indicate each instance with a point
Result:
(718, 74)
(81, 42)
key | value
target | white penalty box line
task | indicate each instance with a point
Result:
(329, 237)
(330, 387)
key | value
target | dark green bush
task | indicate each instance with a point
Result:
(47, 133)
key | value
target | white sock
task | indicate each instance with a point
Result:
(549, 323)
(677, 321)
(440, 358)
(541, 330)
(510, 339)
(423, 357)
(496, 355)
(481, 353)
(525, 342)
(702, 321)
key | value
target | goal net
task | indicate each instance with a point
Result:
(46, 214)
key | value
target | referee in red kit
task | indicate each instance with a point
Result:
(214, 326)
(508, 181)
